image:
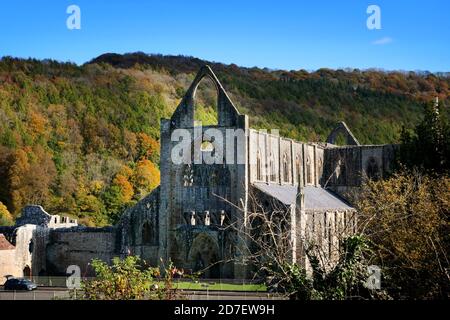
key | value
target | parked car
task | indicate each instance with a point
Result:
(20, 284)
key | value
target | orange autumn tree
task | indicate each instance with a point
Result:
(146, 176)
(119, 195)
(30, 177)
(122, 182)
(147, 147)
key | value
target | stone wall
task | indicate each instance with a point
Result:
(325, 231)
(197, 188)
(7, 259)
(36, 215)
(78, 246)
(33, 215)
(275, 159)
(138, 230)
(42, 251)
(345, 168)
(29, 255)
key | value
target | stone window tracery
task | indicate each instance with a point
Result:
(258, 167)
(188, 176)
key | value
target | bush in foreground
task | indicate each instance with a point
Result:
(130, 279)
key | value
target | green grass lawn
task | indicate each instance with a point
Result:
(182, 285)
(220, 286)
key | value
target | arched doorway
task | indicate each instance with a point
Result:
(27, 272)
(204, 256)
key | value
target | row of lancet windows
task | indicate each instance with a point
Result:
(195, 219)
(285, 169)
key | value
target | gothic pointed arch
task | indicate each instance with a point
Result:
(227, 113)
(204, 255)
(342, 128)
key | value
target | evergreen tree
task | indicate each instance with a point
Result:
(427, 147)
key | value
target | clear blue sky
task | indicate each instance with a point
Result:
(279, 34)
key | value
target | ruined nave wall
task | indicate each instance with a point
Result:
(274, 159)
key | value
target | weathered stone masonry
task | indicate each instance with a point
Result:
(185, 219)
(192, 221)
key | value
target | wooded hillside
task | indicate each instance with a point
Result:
(83, 140)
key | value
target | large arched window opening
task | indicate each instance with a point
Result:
(148, 233)
(340, 139)
(341, 135)
(205, 103)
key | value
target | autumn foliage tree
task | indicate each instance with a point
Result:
(146, 176)
(147, 147)
(5, 217)
(31, 175)
(406, 218)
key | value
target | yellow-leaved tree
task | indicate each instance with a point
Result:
(5, 217)
(406, 219)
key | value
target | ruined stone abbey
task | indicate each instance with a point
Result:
(187, 218)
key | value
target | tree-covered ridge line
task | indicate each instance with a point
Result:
(306, 105)
(83, 140)
(78, 140)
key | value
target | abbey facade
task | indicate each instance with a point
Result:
(191, 217)
(187, 219)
